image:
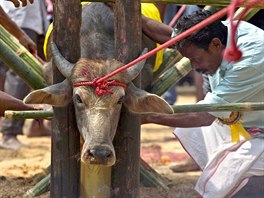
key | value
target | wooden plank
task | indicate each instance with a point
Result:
(128, 34)
(65, 168)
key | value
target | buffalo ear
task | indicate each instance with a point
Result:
(56, 95)
(140, 101)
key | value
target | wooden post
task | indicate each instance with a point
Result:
(128, 34)
(65, 168)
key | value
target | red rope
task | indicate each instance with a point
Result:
(183, 35)
(178, 14)
(233, 53)
(101, 87)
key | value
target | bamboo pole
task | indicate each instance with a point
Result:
(248, 106)
(259, 106)
(251, 12)
(170, 57)
(26, 73)
(38, 114)
(191, 2)
(149, 177)
(20, 50)
(41, 187)
(171, 76)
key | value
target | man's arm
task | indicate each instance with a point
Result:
(17, 2)
(8, 102)
(184, 120)
(158, 32)
(12, 27)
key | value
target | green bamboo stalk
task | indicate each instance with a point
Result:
(26, 73)
(171, 76)
(38, 114)
(40, 188)
(258, 106)
(191, 2)
(255, 106)
(36, 178)
(213, 9)
(20, 50)
(170, 57)
(149, 177)
(251, 12)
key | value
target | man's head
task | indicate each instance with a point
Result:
(205, 47)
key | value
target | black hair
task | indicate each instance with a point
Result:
(203, 37)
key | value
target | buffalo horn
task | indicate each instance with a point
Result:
(64, 66)
(134, 71)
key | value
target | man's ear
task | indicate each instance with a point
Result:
(215, 45)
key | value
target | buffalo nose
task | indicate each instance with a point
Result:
(100, 155)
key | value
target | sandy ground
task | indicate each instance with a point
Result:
(159, 147)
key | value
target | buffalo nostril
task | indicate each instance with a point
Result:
(100, 153)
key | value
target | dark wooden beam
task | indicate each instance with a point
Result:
(65, 168)
(128, 34)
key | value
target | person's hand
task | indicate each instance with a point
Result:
(42, 107)
(28, 43)
(17, 2)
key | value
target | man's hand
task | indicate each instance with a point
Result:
(27, 43)
(17, 2)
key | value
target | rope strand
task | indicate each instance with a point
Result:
(232, 53)
(183, 35)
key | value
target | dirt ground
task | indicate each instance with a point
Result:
(159, 148)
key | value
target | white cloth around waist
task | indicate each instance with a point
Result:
(226, 166)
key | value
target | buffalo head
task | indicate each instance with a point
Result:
(97, 116)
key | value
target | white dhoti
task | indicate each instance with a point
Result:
(226, 166)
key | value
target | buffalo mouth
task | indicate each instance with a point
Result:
(98, 156)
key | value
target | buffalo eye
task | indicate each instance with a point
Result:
(121, 100)
(78, 98)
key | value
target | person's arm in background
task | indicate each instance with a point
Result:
(17, 2)
(8, 102)
(12, 27)
(158, 32)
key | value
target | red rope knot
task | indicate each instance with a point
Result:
(233, 53)
(102, 87)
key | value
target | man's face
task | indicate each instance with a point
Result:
(204, 61)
